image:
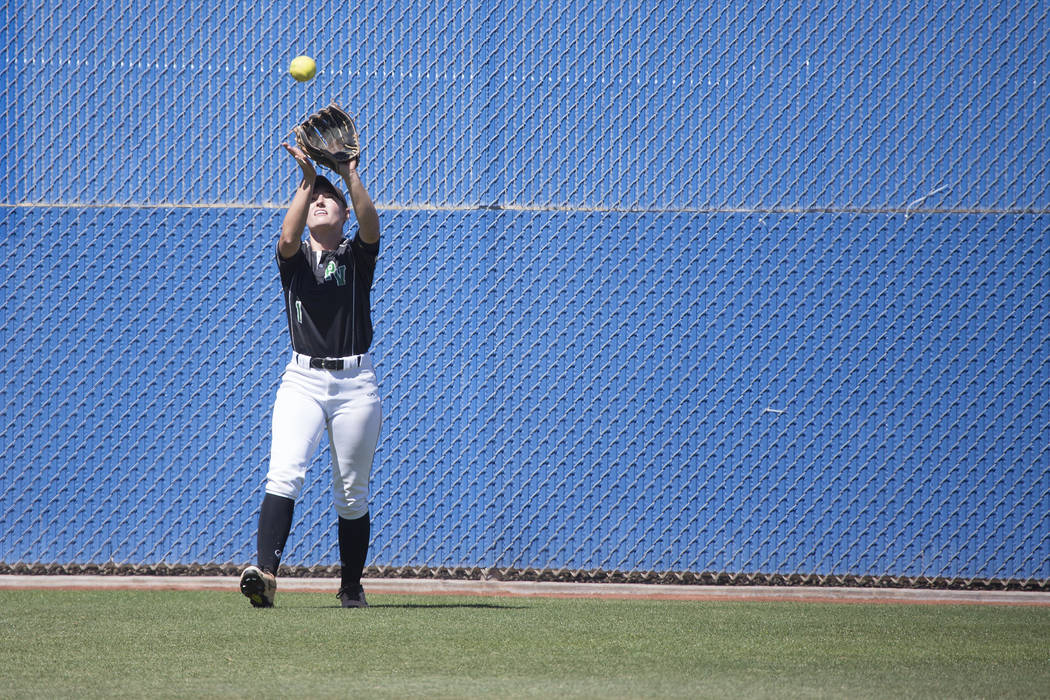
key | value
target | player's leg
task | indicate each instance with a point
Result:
(354, 433)
(259, 583)
(275, 524)
(297, 425)
(354, 535)
(296, 428)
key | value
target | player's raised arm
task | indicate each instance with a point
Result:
(295, 217)
(330, 138)
(361, 201)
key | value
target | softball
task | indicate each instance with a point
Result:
(303, 68)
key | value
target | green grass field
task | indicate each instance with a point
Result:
(213, 644)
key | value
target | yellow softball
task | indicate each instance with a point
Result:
(303, 68)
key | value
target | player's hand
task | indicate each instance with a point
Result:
(344, 168)
(305, 163)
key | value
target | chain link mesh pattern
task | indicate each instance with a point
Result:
(663, 288)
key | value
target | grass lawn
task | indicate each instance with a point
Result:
(213, 644)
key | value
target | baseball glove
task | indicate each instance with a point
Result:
(329, 137)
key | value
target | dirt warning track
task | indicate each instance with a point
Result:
(520, 589)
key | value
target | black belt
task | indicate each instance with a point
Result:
(333, 364)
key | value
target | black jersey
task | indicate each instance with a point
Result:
(327, 298)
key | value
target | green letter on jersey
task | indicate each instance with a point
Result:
(337, 271)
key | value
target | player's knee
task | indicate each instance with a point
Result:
(286, 489)
(352, 509)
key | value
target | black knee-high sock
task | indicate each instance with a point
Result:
(275, 522)
(353, 548)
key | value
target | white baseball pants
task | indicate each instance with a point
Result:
(347, 403)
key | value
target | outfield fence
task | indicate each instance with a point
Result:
(732, 292)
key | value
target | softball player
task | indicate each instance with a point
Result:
(330, 383)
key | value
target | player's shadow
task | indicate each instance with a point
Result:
(428, 606)
(433, 606)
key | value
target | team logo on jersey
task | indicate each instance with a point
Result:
(336, 271)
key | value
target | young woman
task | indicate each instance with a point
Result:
(330, 383)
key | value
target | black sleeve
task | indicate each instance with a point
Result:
(369, 249)
(289, 266)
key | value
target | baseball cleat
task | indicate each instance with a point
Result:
(259, 586)
(352, 597)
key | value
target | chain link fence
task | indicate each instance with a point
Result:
(727, 293)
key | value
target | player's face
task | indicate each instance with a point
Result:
(325, 211)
